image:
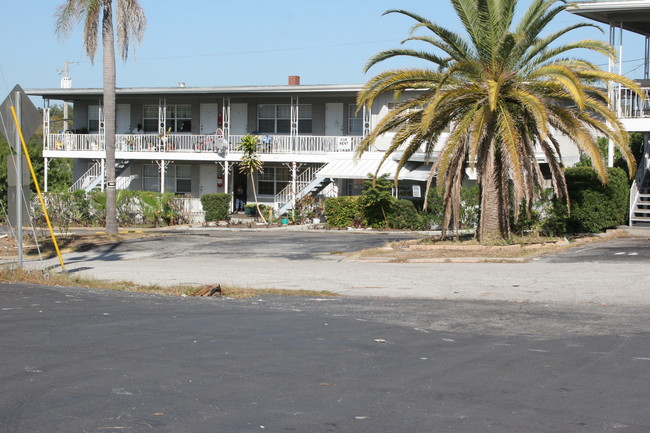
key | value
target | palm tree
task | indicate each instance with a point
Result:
(502, 92)
(251, 163)
(131, 23)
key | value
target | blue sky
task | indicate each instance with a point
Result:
(227, 43)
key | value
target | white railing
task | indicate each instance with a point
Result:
(84, 142)
(629, 105)
(93, 173)
(302, 180)
(641, 173)
(284, 144)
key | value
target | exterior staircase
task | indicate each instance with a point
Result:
(306, 182)
(93, 177)
(640, 192)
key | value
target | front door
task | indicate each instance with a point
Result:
(209, 114)
(208, 179)
(334, 119)
(238, 119)
(123, 119)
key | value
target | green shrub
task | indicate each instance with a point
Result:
(343, 211)
(377, 200)
(594, 206)
(404, 215)
(216, 206)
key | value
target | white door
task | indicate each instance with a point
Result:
(238, 119)
(123, 119)
(209, 114)
(334, 118)
(208, 179)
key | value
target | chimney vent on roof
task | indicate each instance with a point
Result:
(294, 80)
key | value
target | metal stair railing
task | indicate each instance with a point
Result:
(284, 198)
(91, 178)
(638, 184)
(93, 173)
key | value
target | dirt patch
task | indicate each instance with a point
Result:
(433, 249)
(67, 243)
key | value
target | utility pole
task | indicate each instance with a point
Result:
(66, 83)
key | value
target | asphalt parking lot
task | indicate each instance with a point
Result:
(102, 361)
(556, 345)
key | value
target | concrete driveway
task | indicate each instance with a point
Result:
(614, 272)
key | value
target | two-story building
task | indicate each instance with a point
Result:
(185, 140)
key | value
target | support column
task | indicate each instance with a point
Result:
(46, 166)
(226, 181)
(294, 191)
(225, 115)
(162, 166)
(646, 60)
(103, 178)
(614, 93)
(366, 121)
(295, 116)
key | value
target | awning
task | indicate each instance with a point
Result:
(360, 168)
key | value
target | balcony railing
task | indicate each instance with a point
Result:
(201, 143)
(629, 105)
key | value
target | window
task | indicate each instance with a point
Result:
(178, 118)
(355, 120)
(276, 118)
(178, 178)
(273, 180)
(150, 177)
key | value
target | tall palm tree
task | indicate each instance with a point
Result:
(251, 163)
(131, 23)
(502, 91)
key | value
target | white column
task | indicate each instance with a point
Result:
(293, 185)
(46, 164)
(163, 167)
(103, 164)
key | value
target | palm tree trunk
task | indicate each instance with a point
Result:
(108, 43)
(490, 211)
(257, 205)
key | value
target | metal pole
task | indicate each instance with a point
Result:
(293, 185)
(46, 164)
(19, 183)
(646, 69)
(226, 178)
(162, 176)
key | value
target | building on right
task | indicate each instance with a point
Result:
(634, 111)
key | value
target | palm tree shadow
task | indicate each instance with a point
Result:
(107, 254)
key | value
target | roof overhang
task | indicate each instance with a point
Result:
(632, 15)
(301, 90)
(346, 167)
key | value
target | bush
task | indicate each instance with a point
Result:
(344, 211)
(594, 206)
(404, 215)
(377, 200)
(216, 206)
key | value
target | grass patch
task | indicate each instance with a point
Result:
(62, 279)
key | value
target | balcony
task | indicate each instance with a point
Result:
(184, 143)
(629, 105)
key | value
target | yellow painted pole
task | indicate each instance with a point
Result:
(38, 189)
